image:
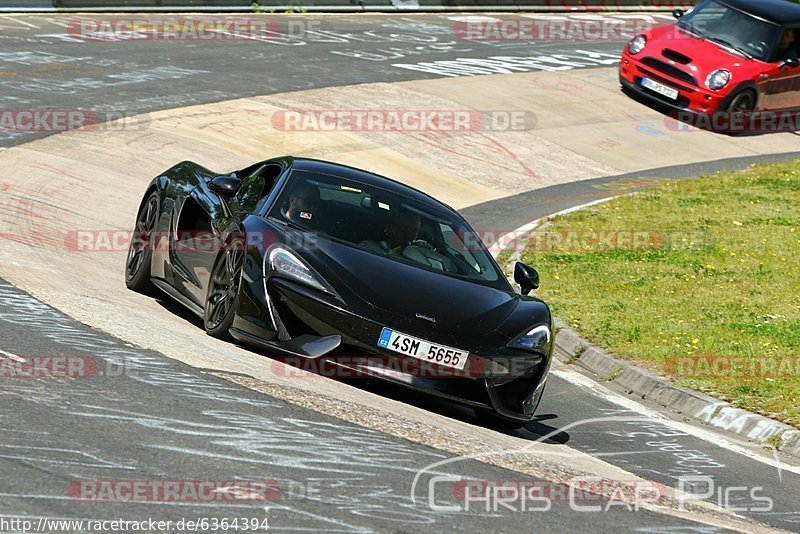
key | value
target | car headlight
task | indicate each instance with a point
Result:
(535, 340)
(718, 79)
(637, 44)
(288, 264)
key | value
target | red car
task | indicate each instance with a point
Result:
(726, 56)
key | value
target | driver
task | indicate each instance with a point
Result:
(399, 232)
(304, 203)
(786, 49)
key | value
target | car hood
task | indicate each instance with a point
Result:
(396, 292)
(705, 55)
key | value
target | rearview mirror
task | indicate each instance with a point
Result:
(527, 277)
(225, 185)
(678, 13)
(792, 62)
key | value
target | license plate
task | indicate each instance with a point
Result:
(422, 350)
(660, 88)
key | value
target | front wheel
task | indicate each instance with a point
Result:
(739, 109)
(140, 251)
(743, 102)
(223, 292)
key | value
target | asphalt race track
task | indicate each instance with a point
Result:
(164, 420)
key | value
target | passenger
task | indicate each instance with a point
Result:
(304, 204)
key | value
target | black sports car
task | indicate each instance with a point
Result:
(323, 262)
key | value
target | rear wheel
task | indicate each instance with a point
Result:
(223, 292)
(140, 251)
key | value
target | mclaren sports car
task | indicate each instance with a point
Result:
(322, 262)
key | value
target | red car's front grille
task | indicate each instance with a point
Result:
(670, 70)
(651, 74)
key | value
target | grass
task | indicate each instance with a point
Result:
(701, 270)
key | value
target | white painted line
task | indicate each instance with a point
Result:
(546, 16)
(10, 356)
(598, 390)
(473, 18)
(20, 21)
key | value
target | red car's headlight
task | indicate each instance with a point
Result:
(637, 44)
(718, 79)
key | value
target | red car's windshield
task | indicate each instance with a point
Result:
(733, 28)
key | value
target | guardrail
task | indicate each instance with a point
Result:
(340, 5)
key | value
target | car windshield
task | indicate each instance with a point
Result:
(386, 223)
(732, 28)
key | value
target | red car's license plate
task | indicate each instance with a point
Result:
(660, 88)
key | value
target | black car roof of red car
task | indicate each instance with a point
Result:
(781, 12)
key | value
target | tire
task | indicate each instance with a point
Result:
(743, 102)
(222, 299)
(140, 251)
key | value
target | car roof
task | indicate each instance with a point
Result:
(781, 12)
(365, 177)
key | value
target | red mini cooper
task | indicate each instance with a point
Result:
(733, 56)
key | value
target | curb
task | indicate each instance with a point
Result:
(570, 349)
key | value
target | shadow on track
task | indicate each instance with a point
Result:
(534, 430)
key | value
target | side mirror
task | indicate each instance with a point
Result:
(526, 276)
(678, 13)
(793, 63)
(225, 186)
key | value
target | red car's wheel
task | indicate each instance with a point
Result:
(743, 102)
